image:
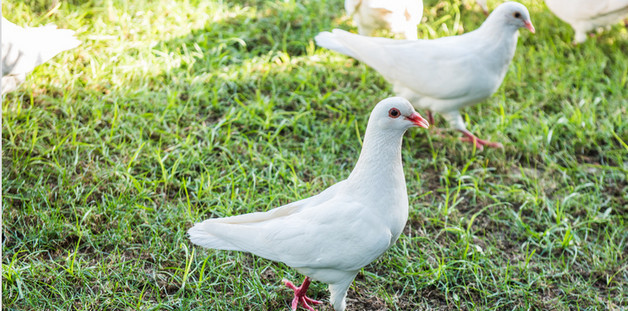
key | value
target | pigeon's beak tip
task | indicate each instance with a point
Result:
(530, 27)
(418, 120)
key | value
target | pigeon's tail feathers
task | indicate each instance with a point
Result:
(58, 40)
(224, 233)
(201, 234)
(333, 41)
(23, 49)
(244, 237)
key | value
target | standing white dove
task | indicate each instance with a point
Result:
(587, 15)
(398, 16)
(446, 74)
(23, 49)
(329, 237)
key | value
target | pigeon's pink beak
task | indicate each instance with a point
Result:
(529, 26)
(418, 120)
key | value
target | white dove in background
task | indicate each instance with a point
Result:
(398, 16)
(587, 15)
(329, 237)
(445, 74)
(23, 49)
(482, 4)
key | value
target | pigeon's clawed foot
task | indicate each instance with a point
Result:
(479, 143)
(299, 295)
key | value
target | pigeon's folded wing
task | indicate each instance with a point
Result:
(302, 235)
(437, 68)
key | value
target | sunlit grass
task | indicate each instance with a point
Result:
(175, 111)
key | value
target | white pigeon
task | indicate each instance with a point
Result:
(445, 74)
(329, 237)
(23, 49)
(398, 16)
(587, 15)
(482, 4)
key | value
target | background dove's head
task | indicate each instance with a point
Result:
(395, 113)
(513, 14)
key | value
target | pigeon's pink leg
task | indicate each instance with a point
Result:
(479, 143)
(430, 118)
(299, 295)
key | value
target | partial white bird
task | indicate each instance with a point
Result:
(445, 74)
(23, 49)
(398, 16)
(587, 15)
(483, 5)
(329, 237)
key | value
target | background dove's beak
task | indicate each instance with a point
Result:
(529, 26)
(418, 120)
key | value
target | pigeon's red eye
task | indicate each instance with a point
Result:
(517, 15)
(394, 113)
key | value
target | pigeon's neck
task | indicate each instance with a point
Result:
(378, 181)
(379, 166)
(497, 33)
(498, 43)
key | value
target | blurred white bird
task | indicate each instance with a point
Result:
(587, 15)
(329, 237)
(482, 4)
(23, 49)
(445, 74)
(398, 16)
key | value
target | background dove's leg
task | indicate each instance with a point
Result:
(430, 117)
(479, 143)
(455, 120)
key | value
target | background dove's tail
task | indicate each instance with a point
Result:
(23, 49)
(333, 41)
(56, 41)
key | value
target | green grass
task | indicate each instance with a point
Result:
(171, 112)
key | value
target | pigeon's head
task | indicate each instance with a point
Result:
(513, 14)
(396, 113)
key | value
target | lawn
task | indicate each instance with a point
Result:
(171, 112)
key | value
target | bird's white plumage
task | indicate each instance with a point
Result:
(483, 5)
(23, 49)
(445, 74)
(332, 235)
(587, 15)
(398, 16)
